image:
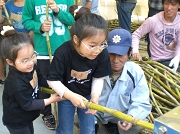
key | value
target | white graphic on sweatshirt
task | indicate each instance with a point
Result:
(167, 38)
(35, 93)
(58, 27)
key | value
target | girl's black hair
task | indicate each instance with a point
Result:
(12, 42)
(89, 25)
(82, 10)
(177, 1)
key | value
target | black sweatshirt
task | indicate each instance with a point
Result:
(20, 103)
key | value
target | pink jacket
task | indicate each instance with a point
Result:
(164, 37)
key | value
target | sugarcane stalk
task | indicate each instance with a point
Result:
(50, 58)
(151, 117)
(161, 83)
(165, 108)
(113, 112)
(156, 71)
(158, 91)
(167, 72)
(177, 91)
(155, 114)
(150, 120)
(47, 90)
(163, 66)
(153, 99)
(47, 36)
(167, 93)
(151, 95)
(165, 78)
(7, 15)
(160, 105)
(167, 83)
(164, 100)
(119, 115)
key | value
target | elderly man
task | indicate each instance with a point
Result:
(126, 89)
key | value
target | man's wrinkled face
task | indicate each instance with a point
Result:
(118, 61)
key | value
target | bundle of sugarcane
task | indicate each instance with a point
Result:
(164, 85)
(113, 24)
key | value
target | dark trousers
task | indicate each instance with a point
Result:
(24, 130)
(44, 67)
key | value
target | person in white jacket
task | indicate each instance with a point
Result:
(164, 34)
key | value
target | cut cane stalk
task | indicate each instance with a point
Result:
(163, 85)
(7, 15)
(119, 115)
(153, 99)
(50, 58)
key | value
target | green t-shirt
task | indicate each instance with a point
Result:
(34, 14)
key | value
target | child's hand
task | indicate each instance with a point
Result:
(52, 5)
(46, 26)
(55, 98)
(94, 99)
(1, 3)
(77, 100)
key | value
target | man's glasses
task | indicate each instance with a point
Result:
(95, 48)
(26, 61)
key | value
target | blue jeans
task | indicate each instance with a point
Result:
(124, 14)
(66, 111)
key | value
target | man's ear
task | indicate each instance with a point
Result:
(9, 62)
(75, 39)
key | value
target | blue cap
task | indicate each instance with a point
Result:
(119, 41)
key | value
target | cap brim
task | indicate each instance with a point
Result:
(120, 50)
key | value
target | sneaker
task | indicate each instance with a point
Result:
(49, 121)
